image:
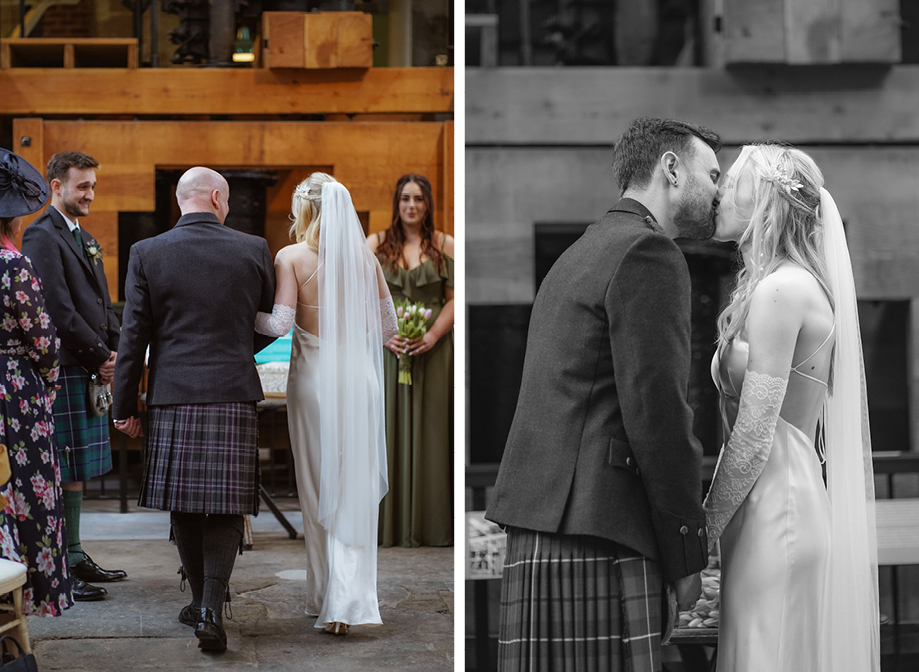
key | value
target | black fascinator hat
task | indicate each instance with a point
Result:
(22, 188)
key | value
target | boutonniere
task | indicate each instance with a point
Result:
(94, 251)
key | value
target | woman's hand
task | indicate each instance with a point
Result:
(418, 346)
(397, 345)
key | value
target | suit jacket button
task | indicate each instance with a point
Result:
(91, 350)
(103, 327)
(699, 532)
(629, 461)
(684, 530)
(99, 301)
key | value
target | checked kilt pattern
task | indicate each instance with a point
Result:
(84, 434)
(577, 604)
(202, 458)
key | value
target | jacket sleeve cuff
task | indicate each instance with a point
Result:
(682, 543)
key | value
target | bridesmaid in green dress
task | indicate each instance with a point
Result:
(418, 264)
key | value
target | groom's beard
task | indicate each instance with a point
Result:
(695, 216)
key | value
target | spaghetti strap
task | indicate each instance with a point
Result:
(304, 285)
(805, 361)
(309, 278)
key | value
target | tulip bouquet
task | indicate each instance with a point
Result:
(412, 319)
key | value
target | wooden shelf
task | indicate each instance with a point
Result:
(68, 52)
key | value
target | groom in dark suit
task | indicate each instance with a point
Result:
(192, 294)
(69, 262)
(600, 486)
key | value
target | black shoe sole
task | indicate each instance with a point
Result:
(88, 598)
(211, 642)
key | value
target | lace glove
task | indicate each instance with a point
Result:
(388, 318)
(743, 458)
(277, 323)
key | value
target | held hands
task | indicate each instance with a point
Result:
(107, 370)
(688, 590)
(131, 427)
(400, 345)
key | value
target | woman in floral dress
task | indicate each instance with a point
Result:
(31, 522)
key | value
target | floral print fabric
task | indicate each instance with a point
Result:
(32, 523)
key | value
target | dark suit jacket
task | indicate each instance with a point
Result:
(75, 291)
(601, 443)
(192, 294)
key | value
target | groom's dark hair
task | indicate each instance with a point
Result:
(637, 151)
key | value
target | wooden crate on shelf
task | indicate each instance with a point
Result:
(317, 40)
(68, 52)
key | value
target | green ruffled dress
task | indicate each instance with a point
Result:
(418, 510)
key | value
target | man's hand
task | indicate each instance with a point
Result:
(131, 427)
(107, 370)
(688, 590)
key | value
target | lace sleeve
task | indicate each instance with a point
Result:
(27, 308)
(388, 318)
(276, 323)
(743, 458)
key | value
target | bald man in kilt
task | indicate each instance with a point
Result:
(600, 485)
(69, 262)
(192, 294)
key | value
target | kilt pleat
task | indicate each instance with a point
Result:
(202, 458)
(83, 441)
(577, 604)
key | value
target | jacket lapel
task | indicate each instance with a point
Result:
(69, 240)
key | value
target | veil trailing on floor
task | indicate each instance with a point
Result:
(851, 629)
(353, 475)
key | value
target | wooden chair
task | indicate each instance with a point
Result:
(12, 579)
(898, 544)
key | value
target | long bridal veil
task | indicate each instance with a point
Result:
(851, 630)
(353, 475)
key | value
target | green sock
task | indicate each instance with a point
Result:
(73, 503)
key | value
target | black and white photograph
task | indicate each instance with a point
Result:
(690, 280)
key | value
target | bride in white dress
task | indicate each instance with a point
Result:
(332, 291)
(799, 559)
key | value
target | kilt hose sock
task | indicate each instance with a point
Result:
(223, 536)
(73, 504)
(188, 532)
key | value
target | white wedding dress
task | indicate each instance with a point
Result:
(775, 550)
(341, 578)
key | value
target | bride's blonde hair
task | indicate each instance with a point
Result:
(785, 224)
(306, 207)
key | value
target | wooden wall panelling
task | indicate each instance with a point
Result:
(754, 31)
(913, 356)
(170, 91)
(33, 129)
(636, 31)
(320, 40)
(871, 31)
(355, 44)
(448, 184)
(283, 39)
(368, 158)
(812, 31)
(507, 194)
(591, 106)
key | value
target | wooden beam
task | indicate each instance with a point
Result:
(871, 31)
(754, 31)
(28, 142)
(447, 191)
(511, 197)
(173, 91)
(912, 352)
(593, 106)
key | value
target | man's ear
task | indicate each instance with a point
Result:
(669, 165)
(55, 185)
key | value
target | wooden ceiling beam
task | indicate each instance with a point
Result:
(175, 91)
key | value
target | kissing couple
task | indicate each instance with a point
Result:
(600, 485)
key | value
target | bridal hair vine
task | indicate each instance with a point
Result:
(302, 190)
(784, 180)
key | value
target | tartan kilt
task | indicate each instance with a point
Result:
(202, 458)
(577, 604)
(86, 435)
